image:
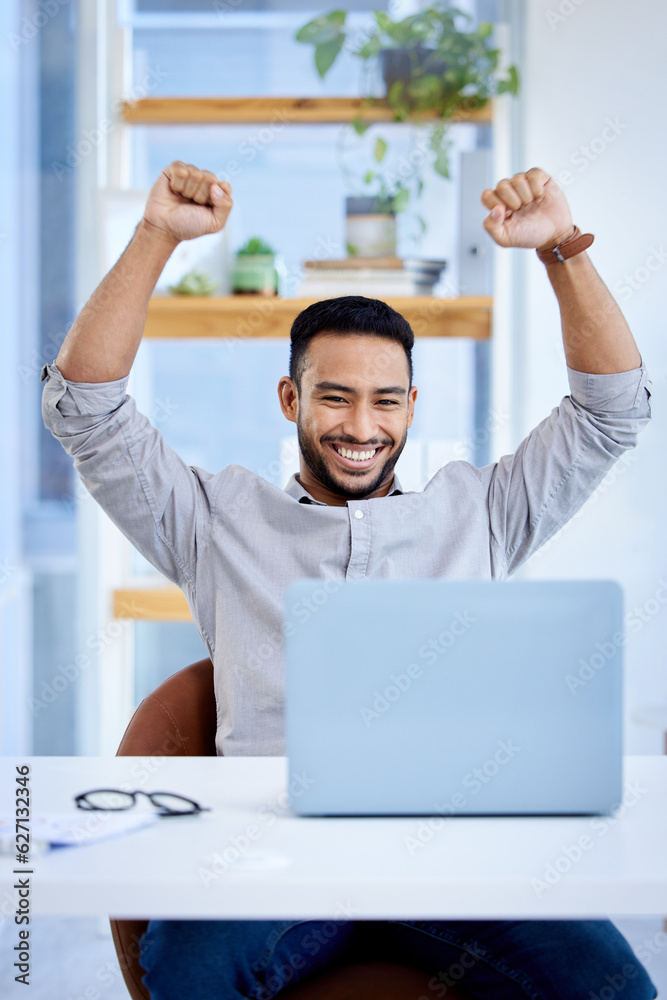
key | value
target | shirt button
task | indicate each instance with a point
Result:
(359, 513)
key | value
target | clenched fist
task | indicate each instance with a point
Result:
(186, 202)
(528, 210)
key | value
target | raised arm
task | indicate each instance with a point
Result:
(184, 202)
(530, 210)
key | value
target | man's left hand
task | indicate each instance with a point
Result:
(527, 210)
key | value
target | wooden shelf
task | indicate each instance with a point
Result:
(243, 316)
(156, 604)
(272, 110)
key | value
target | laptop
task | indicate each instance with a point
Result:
(440, 697)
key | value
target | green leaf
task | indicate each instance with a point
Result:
(194, 283)
(437, 137)
(368, 176)
(352, 250)
(441, 163)
(422, 224)
(511, 85)
(399, 202)
(403, 32)
(322, 29)
(359, 126)
(325, 54)
(380, 150)
(383, 21)
(395, 93)
(426, 89)
(369, 48)
(255, 245)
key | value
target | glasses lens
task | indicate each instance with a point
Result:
(169, 803)
(109, 798)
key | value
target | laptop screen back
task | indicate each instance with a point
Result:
(454, 697)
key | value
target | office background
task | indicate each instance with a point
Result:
(590, 111)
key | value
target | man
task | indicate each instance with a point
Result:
(233, 542)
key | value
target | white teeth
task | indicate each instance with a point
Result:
(356, 456)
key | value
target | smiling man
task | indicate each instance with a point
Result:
(351, 396)
(233, 542)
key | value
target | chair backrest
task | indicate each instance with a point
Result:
(177, 720)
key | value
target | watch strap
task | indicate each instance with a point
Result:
(574, 244)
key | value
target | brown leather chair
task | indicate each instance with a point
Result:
(179, 719)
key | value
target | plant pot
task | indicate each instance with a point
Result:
(255, 274)
(370, 228)
(396, 64)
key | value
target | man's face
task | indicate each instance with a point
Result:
(355, 399)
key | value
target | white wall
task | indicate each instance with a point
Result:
(595, 80)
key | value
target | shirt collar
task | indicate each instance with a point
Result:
(296, 490)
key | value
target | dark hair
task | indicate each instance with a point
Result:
(347, 314)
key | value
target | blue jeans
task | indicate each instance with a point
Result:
(503, 960)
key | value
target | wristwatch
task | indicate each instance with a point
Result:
(574, 244)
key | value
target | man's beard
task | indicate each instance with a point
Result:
(318, 468)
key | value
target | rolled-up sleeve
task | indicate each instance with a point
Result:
(533, 492)
(161, 504)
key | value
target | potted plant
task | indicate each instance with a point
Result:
(194, 283)
(433, 61)
(370, 227)
(254, 269)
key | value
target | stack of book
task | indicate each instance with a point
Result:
(376, 277)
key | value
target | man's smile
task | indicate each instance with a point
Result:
(354, 456)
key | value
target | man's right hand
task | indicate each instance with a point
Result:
(186, 202)
(102, 343)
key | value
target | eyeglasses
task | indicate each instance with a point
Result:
(112, 800)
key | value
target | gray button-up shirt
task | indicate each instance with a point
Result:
(233, 542)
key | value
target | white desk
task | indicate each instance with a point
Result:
(283, 866)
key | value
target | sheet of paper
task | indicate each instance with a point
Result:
(78, 827)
